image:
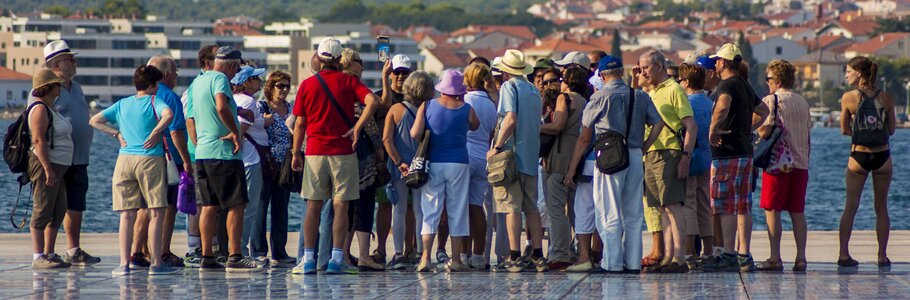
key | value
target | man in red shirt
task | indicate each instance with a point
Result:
(325, 119)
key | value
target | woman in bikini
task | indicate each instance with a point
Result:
(867, 116)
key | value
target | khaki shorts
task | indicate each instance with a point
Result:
(518, 196)
(330, 177)
(139, 182)
(49, 201)
(662, 185)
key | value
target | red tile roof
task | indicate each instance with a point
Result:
(875, 44)
(8, 74)
(630, 58)
(451, 57)
(513, 30)
(859, 28)
(562, 45)
(824, 42)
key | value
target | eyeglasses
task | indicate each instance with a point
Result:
(556, 80)
(768, 78)
(282, 86)
(401, 72)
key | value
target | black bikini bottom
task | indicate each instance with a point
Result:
(871, 161)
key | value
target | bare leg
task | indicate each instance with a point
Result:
(427, 245)
(728, 224)
(311, 223)
(675, 214)
(155, 231)
(707, 244)
(534, 224)
(127, 219)
(383, 226)
(410, 230)
(207, 228)
(170, 216)
(72, 224)
(774, 233)
(668, 237)
(442, 235)
(235, 228)
(513, 227)
(50, 238)
(855, 179)
(584, 248)
(657, 245)
(881, 182)
(340, 224)
(478, 228)
(744, 233)
(457, 243)
(718, 232)
(799, 233)
(38, 240)
(597, 245)
(141, 230)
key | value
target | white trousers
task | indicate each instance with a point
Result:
(400, 212)
(584, 208)
(447, 188)
(618, 214)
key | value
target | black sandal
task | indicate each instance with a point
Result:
(883, 264)
(849, 262)
(800, 265)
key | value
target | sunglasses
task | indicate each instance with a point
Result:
(768, 78)
(282, 86)
(557, 80)
(401, 72)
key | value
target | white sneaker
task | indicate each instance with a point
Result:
(476, 262)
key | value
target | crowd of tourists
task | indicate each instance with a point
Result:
(565, 150)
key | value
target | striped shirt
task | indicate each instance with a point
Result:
(794, 112)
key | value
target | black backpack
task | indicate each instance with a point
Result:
(18, 142)
(869, 128)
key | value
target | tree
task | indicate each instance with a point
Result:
(615, 45)
(350, 10)
(891, 25)
(123, 9)
(279, 14)
(59, 10)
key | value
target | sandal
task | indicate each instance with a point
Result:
(770, 266)
(883, 264)
(800, 265)
(849, 262)
(650, 261)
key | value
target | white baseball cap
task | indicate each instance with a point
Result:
(55, 49)
(575, 57)
(401, 61)
(329, 48)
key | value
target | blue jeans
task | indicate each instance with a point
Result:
(324, 244)
(251, 239)
(273, 194)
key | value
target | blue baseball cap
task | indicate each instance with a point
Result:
(245, 73)
(705, 62)
(609, 62)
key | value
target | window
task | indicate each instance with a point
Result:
(9, 95)
(35, 61)
(82, 44)
(779, 50)
(92, 62)
(128, 44)
(91, 79)
(126, 62)
(184, 45)
(24, 95)
(122, 80)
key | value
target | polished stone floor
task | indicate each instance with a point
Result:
(823, 281)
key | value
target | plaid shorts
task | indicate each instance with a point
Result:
(731, 186)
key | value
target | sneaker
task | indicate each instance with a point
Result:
(580, 268)
(284, 263)
(138, 261)
(121, 271)
(526, 253)
(691, 262)
(675, 267)
(499, 267)
(82, 258)
(722, 263)
(514, 266)
(57, 259)
(340, 268)
(701, 261)
(262, 262)
(43, 263)
(455, 267)
(476, 262)
(221, 259)
(378, 257)
(537, 264)
(193, 259)
(305, 267)
(210, 264)
(746, 263)
(242, 265)
(442, 259)
(368, 265)
(398, 262)
(172, 260)
(164, 270)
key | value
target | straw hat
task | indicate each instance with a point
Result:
(44, 77)
(513, 62)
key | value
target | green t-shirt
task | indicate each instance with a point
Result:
(673, 105)
(209, 128)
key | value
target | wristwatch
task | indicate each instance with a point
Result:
(685, 153)
(497, 149)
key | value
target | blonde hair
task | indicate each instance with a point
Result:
(348, 56)
(475, 75)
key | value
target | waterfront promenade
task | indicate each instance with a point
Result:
(824, 280)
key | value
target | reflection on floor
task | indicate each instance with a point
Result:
(823, 281)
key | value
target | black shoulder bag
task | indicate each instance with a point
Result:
(611, 147)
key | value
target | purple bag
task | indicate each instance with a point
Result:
(186, 194)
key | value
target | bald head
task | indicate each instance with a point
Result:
(167, 66)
